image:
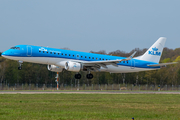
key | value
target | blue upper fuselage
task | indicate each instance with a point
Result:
(37, 51)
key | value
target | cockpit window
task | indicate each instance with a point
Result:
(16, 48)
(12, 47)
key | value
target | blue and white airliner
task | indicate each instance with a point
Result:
(60, 59)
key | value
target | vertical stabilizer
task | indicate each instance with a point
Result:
(154, 53)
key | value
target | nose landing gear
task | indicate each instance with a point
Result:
(19, 68)
(20, 64)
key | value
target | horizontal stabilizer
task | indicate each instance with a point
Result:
(161, 64)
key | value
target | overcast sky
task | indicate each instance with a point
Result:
(85, 25)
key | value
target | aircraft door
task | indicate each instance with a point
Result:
(132, 64)
(29, 50)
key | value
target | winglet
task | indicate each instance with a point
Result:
(133, 54)
(130, 57)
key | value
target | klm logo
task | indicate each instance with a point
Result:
(74, 66)
(155, 52)
(42, 49)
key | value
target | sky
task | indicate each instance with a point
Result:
(89, 25)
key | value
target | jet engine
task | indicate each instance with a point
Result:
(73, 66)
(54, 68)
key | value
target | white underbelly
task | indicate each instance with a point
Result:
(53, 61)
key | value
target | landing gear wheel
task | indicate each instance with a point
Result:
(19, 68)
(89, 76)
(77, 76)
(20, 64)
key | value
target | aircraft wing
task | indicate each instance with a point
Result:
(104, 63)
(161, 64)
(95, 65)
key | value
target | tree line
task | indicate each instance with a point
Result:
(38, 73)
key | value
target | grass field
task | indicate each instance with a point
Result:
(89, 106)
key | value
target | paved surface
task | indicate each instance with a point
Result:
(87, 92)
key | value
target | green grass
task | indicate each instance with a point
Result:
(89, 106)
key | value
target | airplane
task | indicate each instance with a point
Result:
(58, 60)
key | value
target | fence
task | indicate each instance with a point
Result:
(102, 87)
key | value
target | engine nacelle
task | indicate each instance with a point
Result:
(73, 66)
(54, 68)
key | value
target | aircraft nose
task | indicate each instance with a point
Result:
(4, 54)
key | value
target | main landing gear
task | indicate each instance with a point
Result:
(77, 76)
(20, 65)
(88, 76)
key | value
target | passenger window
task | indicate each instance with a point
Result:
(123, 61)
(92, 57)
(39, 51)
(89, 57)
(65, 54)
(61, 53)
(43, 52)
(127, 62)
(81, 56)
(99, 58)
(69, 54)
(96, 58)
(77, 55)
(73, 55)
(54, 53)
(58, 53)
(85, 57)
(47, 51)
(51, 52)
(103, 59)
